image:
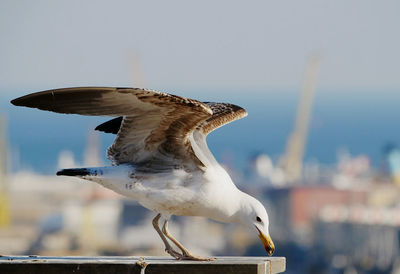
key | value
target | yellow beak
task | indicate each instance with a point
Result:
(267, 242)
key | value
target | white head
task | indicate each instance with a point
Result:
(253, 214)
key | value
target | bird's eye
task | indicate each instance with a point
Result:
(258, 219)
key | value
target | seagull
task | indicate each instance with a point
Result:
(160, 156)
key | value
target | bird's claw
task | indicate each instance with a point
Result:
(174, 254)
(187, 256)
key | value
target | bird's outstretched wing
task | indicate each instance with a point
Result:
(155, 126)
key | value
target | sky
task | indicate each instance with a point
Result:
(250, 53)
(179, 46)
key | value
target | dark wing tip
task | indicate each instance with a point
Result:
(111, 126)
(35, 100)
(77, 100)
(17, 101)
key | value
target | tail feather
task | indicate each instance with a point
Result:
(80, 172)
(116, 178)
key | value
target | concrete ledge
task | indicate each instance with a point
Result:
(143, 265)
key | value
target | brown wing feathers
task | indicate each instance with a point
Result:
(223, 113)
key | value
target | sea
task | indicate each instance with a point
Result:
(362, 122)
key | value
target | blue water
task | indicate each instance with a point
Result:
(362, 122)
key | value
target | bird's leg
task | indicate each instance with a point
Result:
(186, 254)
(168, 247)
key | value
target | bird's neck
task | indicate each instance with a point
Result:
(232, 207)
(242, 207)
(228, 200)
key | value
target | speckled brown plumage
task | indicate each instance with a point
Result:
(223, 113)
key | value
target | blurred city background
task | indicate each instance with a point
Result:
(319, 79)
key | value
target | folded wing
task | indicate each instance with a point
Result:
(223, 113)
